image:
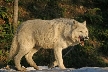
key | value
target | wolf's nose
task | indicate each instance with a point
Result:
(86, 38)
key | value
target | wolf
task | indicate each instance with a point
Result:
(56, 34)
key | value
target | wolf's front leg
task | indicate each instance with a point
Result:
(58, 57)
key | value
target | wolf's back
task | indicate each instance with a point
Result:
(14, 48)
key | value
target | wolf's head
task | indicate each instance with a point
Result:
(80, 32)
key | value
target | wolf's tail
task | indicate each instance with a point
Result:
(14, 48)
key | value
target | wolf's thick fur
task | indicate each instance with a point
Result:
(55, 34)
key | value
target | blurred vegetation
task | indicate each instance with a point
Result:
(95, 12)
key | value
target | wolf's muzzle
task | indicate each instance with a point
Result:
(82, 38)
(86, 38)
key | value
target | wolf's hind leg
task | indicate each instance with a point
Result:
(18, 57)
(29, 58)
(52, 65)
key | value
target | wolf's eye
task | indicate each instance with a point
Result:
(80, 31)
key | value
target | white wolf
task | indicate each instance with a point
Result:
(54, 34)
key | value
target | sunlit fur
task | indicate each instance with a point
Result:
(54, 34)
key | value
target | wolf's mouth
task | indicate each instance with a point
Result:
(82, 39)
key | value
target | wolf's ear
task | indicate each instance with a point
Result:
(75, 24)
(84, 23)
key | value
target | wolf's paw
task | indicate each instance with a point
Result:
(51, 65)
(62, 67)
(36, 67)
(22, 69)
